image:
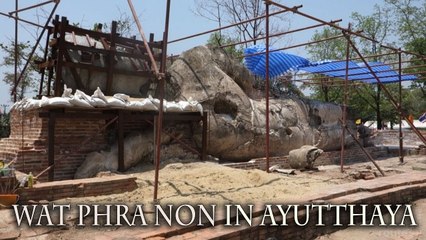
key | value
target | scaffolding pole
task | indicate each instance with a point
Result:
(387, 93)
(401, 146)
(267, 85)
(161, 95)
(35, 48)
(345, 102)
(33, 6)
(15, 81)
(231, 25)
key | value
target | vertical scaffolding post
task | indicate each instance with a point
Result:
(345, 102)
(401, 146)
(267, 84)
(16, 50)
(159, 121)
(43, 71)
(35, 47)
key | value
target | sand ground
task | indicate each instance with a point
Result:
(211, 183)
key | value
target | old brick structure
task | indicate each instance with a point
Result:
(29, 138)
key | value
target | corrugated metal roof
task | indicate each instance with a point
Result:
(280, 63)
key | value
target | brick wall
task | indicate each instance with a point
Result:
(352, 155)
(77, 188)
(391, 137)
(28, 143)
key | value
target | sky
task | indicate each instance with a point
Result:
(183, 21)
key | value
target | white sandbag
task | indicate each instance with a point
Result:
(156, 102)
(185, 106)
(99, 94)
(98, 99)
(32, 104)
(196, 106)
(135, 105)
(147, 105)
(97, 102)
(115, 102)
(199, 108)
(122, 97)
(81, 95)
(55, 102)
(173, 107)
(77, 102)
(26, 104)
(67, 92)
(80, 99)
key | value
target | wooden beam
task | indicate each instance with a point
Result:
(74, 73)
(120, 129)
(51, 146)
(204, 137)
(60, 59)
(111, 58)
(77, 115)
(146, 74)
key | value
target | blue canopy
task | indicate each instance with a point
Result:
(358, 71)
(279, 62)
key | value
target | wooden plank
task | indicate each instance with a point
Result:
(77, 115)
(74, 73)
(147, 74)
(120, 128)
(111, 56)
(204, 137)
(60, 59)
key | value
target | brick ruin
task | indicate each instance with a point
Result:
(29, 138)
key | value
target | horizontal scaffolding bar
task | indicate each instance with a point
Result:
(279, 34)
(295, 46)
(231, 25)
(33, 6)
(296, 11)
(22, 20)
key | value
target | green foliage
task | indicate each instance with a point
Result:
(409, 18)
(376, 26)
(4, 125)
(323, 89)
(364, 100)
(332, 49)
(28, 81)
(217, 39)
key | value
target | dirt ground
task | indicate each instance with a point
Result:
(208, 182)
(211, 183)
(195, 183)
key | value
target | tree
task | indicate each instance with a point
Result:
(377, 27)
(217, 40)
(125, 25)
(330, 50)
(28, 81)
(4, 125)
(366, 100)
(234, 11)
(411, 27)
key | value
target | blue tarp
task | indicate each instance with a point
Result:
(358, 72)
(280, 63)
